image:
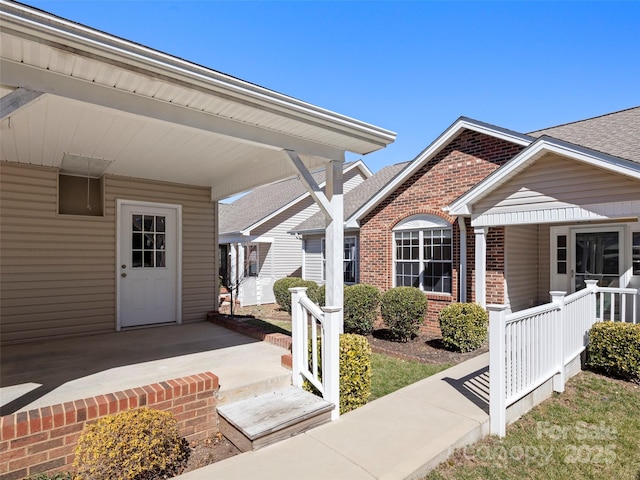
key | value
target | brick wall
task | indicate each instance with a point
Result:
(464, 162)
(43, 440)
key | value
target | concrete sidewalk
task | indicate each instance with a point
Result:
(402, 435)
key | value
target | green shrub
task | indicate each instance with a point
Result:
(614, 348)
(361, 304)
(355, 371)
(317, 295)
(134, 444)
(403, 310)
(463, 326)
(283, 295)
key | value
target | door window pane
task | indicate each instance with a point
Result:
(147, 246)
(597, 258)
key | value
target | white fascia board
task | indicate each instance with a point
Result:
(49, 27)
(464, 204)
(463, 123)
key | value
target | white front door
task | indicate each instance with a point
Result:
(148, 264)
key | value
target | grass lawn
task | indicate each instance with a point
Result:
(591, 431)
(390, 374)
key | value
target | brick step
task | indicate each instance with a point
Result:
(269, 418)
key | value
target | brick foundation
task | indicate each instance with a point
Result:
(44, 439)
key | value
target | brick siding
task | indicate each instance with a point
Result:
(44, 439)
(463, 163)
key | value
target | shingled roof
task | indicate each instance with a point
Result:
(264, 201)
(354, 199)
(616, 133)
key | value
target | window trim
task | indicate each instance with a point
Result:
(355, 260)
(420, 224)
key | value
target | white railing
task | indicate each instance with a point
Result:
(528, 348)
(312, 326)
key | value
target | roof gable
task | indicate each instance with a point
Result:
(541, 147)
(460, 125)
(354, 199)
(261, 204)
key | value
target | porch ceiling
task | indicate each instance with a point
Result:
(69, 89)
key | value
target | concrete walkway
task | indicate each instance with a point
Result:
(402, 435)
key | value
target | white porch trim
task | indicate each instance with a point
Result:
(481, 265)
(571, 213)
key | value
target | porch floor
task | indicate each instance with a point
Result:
(56, 371)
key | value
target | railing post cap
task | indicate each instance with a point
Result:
(298, 289)
(591, 283)
(497, 308)
(558, 293)
(331, 309)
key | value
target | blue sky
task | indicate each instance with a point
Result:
(410, 67)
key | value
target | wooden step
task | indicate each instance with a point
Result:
(265, 419)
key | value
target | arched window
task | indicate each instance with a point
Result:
(423, 253)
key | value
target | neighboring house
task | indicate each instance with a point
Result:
(312, 230)
(253, 234)
(490, 215)
(113, 159)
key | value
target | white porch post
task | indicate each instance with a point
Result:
(331, 358)
(557, 297)
(481, 265)
(462, 294)
(497, 370)
(233, 265)
(335, 241)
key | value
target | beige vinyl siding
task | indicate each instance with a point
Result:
(57, 272)
(313, 258)
(557, 182)
(522, 266)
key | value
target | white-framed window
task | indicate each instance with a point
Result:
(635, 253)
(250, 260)
(423, 254)
(349, 260)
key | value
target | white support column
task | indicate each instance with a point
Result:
(233, 265)
(497, 370)
(331, 358)
(481, 265)
(216, 257)
(557, 298)
(335, 241)
(462, 227)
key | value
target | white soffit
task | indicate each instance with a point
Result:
(232, 122)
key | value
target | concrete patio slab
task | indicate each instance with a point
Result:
(49, 372)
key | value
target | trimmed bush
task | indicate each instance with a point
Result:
(614, 349)
(131, 445)
(463, 326)
(403, 310)
(317, 295)
(283, 295)
(355, 371)
(361, 304)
